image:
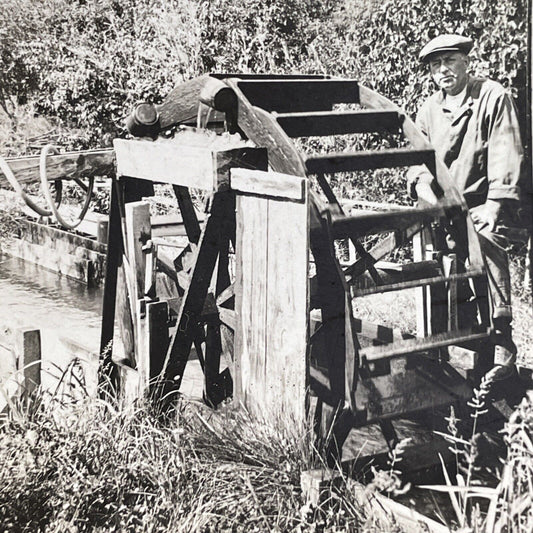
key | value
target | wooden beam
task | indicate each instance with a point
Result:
(273, 184)
(165, 161)
(390, 514)
(28, 353)
(375, 222)
(263, 130)
(351, 162)
(194, 297)
(108, 376)
(299, 95)
(69, 165)
(419, 344)
(188, 213)
(471, 274)
(138, 233)
(322, 123)
(158, 336)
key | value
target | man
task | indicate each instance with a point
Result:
(472, 124)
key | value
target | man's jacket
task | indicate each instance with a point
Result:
(479, 142)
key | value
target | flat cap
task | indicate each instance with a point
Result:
(446, 42)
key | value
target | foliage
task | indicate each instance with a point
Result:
(91, 60)
(390, 63)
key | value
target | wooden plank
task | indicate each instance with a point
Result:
(68, 165)
(226, 160)
(138, 233)
(374, 222)
(68, 242)
(299, 95)
(419, 344)
(228, 317)
(124, 320)
(391, 514)
(421, 293)
(251, 301)
(158, 335)
(400, 273)
(188, 213)
(68, 254)
(273, 184)
(28, 352)
(322, 123)
(71, 266)
(287, 310)
(165, 161)
(108, 375)
(355, 292)
(351, 162)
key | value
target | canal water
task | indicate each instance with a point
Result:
(66, 312)
(68, 315)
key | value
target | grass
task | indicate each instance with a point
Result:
(91, 466)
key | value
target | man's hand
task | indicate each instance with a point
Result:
(487, 215)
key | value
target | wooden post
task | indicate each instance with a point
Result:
(138, 233)
(102, 229)
(108, 374)
(158, 337)
(271, 294)
(449, 263)
(28, 350)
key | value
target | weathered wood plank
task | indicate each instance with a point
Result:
(158, 336)
(68, 254)
(322, 123)
(418, 344)
(351, 162)
(355, 292)
(108, 374)
(188, 213)
(138, 233)
(73, 267)
(251, 301)
(69, 165)
(299, 95)
(374, 222)
(28, 352)
(287, 309)
(274, 184)
(391, 514)
(165, 161)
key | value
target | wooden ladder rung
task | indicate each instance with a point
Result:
(285, 96)
(415, 283)
(371, 222)
(322, 123)
(421, 344)
(351, 162)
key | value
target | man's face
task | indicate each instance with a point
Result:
(449, 71)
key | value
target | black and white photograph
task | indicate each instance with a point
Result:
(265, 266)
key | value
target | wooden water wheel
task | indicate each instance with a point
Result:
(357, 372)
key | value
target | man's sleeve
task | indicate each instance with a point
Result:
(419, 173)
(505, 157)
